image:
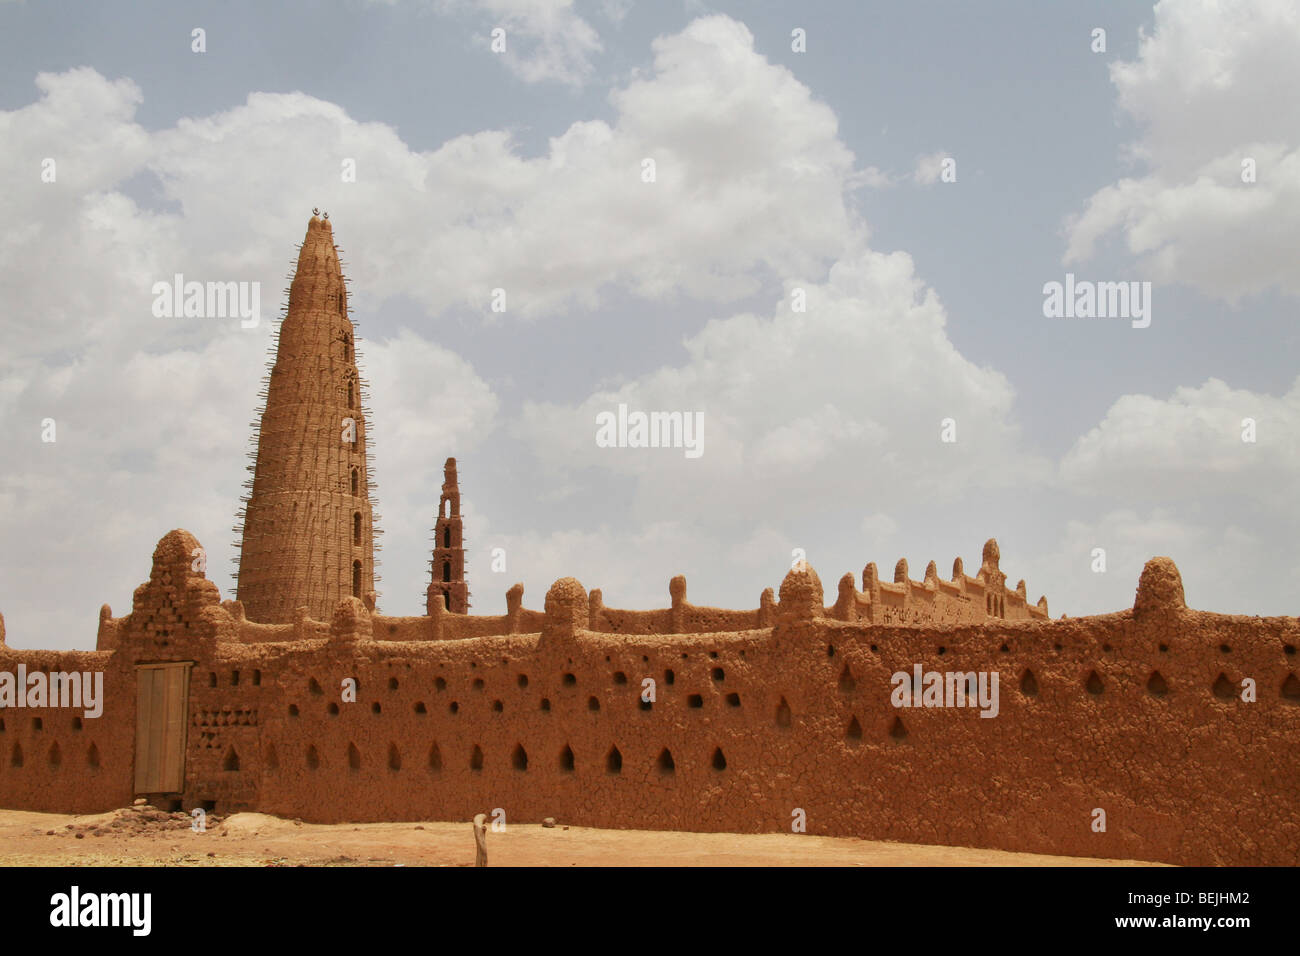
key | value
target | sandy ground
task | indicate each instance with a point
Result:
(141, 837)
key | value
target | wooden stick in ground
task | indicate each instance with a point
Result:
(480, 839)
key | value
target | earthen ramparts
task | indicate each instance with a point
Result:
(1141, 714)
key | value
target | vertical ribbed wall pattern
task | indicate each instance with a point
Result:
(307, 535)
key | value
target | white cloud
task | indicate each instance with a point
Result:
(848, 396)
(426, 403)
(751, 179)
(872, 177)
(546, 40)
(557, 44)
(1173, 476)
(1225, 567)
(929, 168)
(1190, 446)
(1205, 92)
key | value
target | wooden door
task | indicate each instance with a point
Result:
(161, 705)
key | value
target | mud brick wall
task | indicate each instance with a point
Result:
(1138, 713)
(57, 757)
(1124, 712)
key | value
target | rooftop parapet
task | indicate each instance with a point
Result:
(1160, 589)
(801, 595)
(566, 610)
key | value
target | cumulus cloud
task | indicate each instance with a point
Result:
(426, 402)
(851, 392)
(1173, 476)
(750, 179)
(1204, 93)
(1191, 446)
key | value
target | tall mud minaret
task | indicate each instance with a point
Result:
(448, 586)
(307, 534)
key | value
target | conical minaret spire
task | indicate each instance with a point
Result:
(308, 535)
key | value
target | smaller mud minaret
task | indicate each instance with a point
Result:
(448, 586)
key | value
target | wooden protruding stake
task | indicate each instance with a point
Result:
(480, 839)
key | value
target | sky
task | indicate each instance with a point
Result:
(841, 264)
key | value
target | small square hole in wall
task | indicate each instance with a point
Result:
(212, 679)
(76, 723)
(38, 724)
(234, 678)
(570, 680)
(257, 678)
(375, 708)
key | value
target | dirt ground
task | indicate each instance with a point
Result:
(141, 836)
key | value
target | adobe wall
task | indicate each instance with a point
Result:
(57, 758)
(758, 722)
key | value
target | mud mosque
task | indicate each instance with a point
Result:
(1179, 725)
